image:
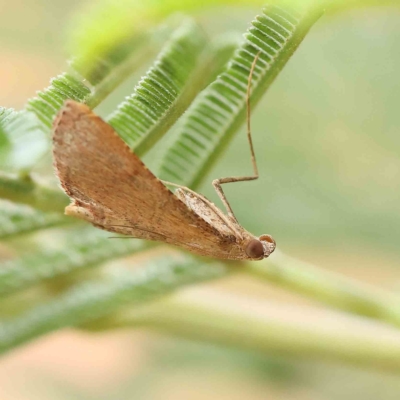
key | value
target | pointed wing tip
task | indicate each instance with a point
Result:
(73, 105)
(69, 111)
(63, 127)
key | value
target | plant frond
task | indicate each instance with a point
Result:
(25, 140)
(100, 26)
(91, 83)
(5, 115)
(49, 101)
(87, 301)
(162, 94)
(23, 188)
(219, 111)
(17, 219)
(33, 124)
(87, 248)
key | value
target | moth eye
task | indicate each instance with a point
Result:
(255, 249)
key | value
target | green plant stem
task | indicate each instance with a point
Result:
(26, 190)
(229, 322)
(86, 250)
(268, 328)
(328, 287)
(92, 299)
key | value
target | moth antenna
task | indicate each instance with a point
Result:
(253, 156)
(122, 237)
(124, 226)
(132, 227)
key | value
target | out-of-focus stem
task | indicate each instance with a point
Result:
(268, 327)
(328, 287)
(26, 190)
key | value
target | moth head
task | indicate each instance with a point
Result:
(260, 248)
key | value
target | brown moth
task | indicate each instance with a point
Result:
(111, 188)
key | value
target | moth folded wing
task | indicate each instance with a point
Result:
(109, 183)
(107, 221)
(203, 210)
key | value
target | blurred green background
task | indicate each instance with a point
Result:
(327, 143)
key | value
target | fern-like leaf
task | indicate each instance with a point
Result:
(210, 122)
(50, 100)
(17, 219)
(86, 249)
(97, 298)
(219, 111)
(5, 115)
(161, 96)
(25, 140)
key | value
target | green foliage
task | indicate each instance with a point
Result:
(16, 219)
(82, 249)
(95, 298)
(79, 275)
(219, 110)
(50, 100)
(107, 26)
(160, 97)
(5, 115)
(17, 128)
(187, 62)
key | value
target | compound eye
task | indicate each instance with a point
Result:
(255, 249)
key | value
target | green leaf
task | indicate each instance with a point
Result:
(27, 131)
(99, 27)
(33, 124)
(93, 299)
(87, 248)
(49, 101)
(187, 63)
(91, 83)
(99, 69)
(107, 72)
(18, 219)
(23, 188)
(219, 111)
(5, 115)
(25, 140)
(183, 68)
(161, 96)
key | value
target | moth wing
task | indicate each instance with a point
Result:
(200, 206)
(113, 189)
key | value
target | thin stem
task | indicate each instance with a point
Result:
(230, 322)
(26, 190)
(327, 287)
(96, 298)
(268, 328)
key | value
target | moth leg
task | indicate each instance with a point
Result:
(217, 186)
(217, 182)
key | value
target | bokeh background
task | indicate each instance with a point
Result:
(327, 141)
